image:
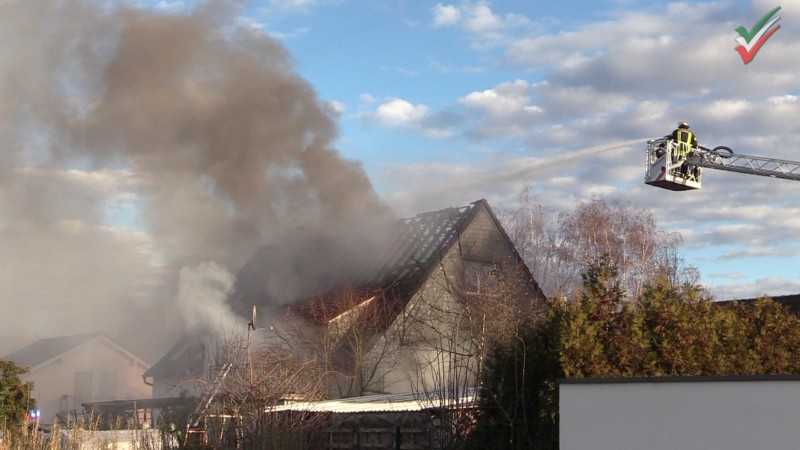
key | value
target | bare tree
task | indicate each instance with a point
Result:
(248, 376)
(535, 233)
(559, 249)
(331, 346)
(348, 340)
(473, 304)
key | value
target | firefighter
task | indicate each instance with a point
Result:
(685, 142)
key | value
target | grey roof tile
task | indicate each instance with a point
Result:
(44, 350)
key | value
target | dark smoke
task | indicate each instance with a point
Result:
(136, 145)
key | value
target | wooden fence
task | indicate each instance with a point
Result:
(391, 438)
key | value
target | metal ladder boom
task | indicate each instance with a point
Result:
(754, 165)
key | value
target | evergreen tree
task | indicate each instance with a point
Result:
(519, 393)
(15, 396)
(670, 330)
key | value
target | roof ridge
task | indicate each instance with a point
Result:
(460, 209)
(44, 349)
(90, 334)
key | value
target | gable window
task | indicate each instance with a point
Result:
(480, 278)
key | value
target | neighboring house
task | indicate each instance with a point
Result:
(416, 319)
(72, 370)
(177, 372)
(792, 302)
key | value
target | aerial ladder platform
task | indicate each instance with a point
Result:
(668, 170)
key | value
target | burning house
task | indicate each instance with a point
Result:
(412, 315)
(189, 139)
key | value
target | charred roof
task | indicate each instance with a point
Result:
(395, 269)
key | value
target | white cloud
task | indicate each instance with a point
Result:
(400, 113)
(627, 71)
(483, 26)
(283, 35)
(783, 99)
(582, 101)
(505, 110)
(647, 45)
(481, 19)
(252, 24)
(445, 15)
(743, 287)
(337, 107)
(725, 109)
(503, 100)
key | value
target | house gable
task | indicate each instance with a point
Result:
(474, 264)
(186, 357)
(45, 350)
(69, 371)
(50, 350)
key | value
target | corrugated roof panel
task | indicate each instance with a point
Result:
(404, 402)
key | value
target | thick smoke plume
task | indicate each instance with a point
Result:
(136, 144)
(202, 293)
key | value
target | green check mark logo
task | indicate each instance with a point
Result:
(750, 41)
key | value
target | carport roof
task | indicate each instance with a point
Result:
(403, 402)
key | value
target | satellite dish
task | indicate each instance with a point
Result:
(253, 322)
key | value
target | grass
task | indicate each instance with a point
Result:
(84, 434)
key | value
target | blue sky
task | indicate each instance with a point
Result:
(391, 66)
(441, 103)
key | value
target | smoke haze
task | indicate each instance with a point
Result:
(137, 144)
(202, 293)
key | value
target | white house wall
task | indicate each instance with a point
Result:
(418, 363)
(54, 381)
(738, 414)
(408, 344)
(165, 387)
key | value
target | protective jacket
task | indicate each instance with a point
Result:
(686, 141)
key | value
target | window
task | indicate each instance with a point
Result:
(108, 386)
(480, 278)
(83, 387)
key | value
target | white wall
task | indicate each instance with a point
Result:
(54, 382)
(166, 387)
(730, 413)
(432, 323)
